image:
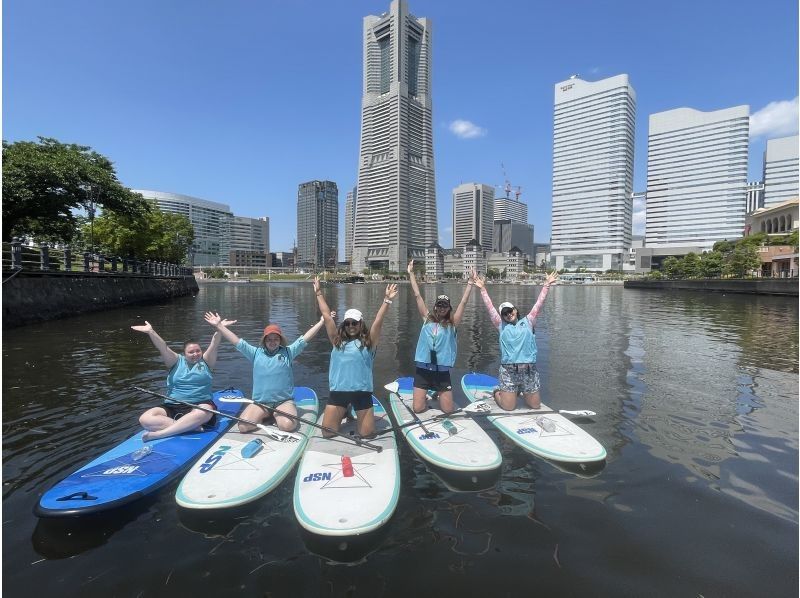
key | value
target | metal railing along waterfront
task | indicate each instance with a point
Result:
(18, 258)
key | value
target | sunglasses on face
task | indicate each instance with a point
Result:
(351, 323)
(442, 306)
(507, 312)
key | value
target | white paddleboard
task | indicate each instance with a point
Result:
(548, 435)
(226, 477)
(465, 447)
(332, 498)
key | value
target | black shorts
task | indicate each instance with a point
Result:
(178, 410)
(432, 380)
(360, 399)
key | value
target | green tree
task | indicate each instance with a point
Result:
(690, 265)
(46, 182)
(160, 236)
(756, 240)
(741, 261)
(711, 263)
(724, 247)
(670, 267)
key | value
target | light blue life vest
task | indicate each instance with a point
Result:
(273, 376)
(442, 339)
(189, 383)
(351, 367)
(517, 342)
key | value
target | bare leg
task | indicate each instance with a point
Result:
(365, 422)
(506, 400)
(446, 401)
(287, 424)
(331, 418)
(420, 402)
(191, 421)
(255, 413)
(533, 400)
(155, 419)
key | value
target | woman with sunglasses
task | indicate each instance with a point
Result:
(436, 346)
(518, 373)
(273, 378)
(189, 380)
(352, 357)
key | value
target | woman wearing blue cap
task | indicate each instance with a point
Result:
(436, 347)
(518, 373)
(352, 357)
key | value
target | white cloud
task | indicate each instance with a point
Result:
(466, 129)
(776, 119)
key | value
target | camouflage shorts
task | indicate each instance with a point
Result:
(519, 378)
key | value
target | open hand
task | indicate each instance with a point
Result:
(146, 327)
(410, 268)
(316, 284)
(551, 277)
(391, 290)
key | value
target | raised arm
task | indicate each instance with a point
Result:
(221, 325)
(210, 355)
(459, 313)
(487, 301)
(330, 325)
(420, 300)
(168, 355)
(551, 278)
(312, 332)
(377, 324)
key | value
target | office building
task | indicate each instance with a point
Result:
(781, 171)
(396, 209)
(211, 222)
(593, 173)
(349, 223)
(317, 224)
(510, 233)
(473, 214)
(249, 242)
(506, 208)
(755, 196)
(696, 177)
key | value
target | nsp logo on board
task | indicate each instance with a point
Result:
(214, 458)
(527, 431)
(318, 477)
(429, 436)
(121, 469)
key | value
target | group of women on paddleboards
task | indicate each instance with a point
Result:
(354, 344)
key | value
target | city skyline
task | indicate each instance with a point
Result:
(224, 120)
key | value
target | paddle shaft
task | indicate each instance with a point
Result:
(368, 445)
(417, 420)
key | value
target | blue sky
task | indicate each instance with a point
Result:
(240, 101)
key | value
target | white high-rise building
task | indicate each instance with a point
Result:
(396, 209)
(755, 196)
(349, 222)
(696, 176)
(593, 173)
(473, 214)
(506, 208)
(781, 170)
(211, 221)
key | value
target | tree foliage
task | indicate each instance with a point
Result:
(742, 260)
(160, 236)
(46, 182)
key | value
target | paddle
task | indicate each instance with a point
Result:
(358, 441)
(394, 387)
(273, 433)
(481, 407)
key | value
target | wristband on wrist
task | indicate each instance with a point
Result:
(387, 301)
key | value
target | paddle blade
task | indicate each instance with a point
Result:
(234, 399)
(579, 413)
(392, 387)
(281, 436)
(478, 407)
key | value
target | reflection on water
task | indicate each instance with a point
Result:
(696, 396)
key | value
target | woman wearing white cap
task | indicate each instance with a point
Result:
(518, 373)
(436, 347)
(352, 357)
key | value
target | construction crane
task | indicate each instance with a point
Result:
(507, 187)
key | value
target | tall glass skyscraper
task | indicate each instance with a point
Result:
(593, 134)
(349, 222)
(396, 209)
(696, 176)
(781, 170)
(317, 224)
(473, 215)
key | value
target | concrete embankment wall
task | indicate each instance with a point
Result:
(756, 286)
(29, 298)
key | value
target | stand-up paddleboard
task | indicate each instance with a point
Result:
(458, 444)
(239, 468)
(123, 475)
(549, 435)
(342, 489)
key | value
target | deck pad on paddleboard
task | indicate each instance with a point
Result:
(469, 448)
(226, 477)
(564, 441)
(115, 478)
(332, 498)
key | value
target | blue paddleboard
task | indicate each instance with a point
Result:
(114, 478)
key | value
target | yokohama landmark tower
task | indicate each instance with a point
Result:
(395, 216)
